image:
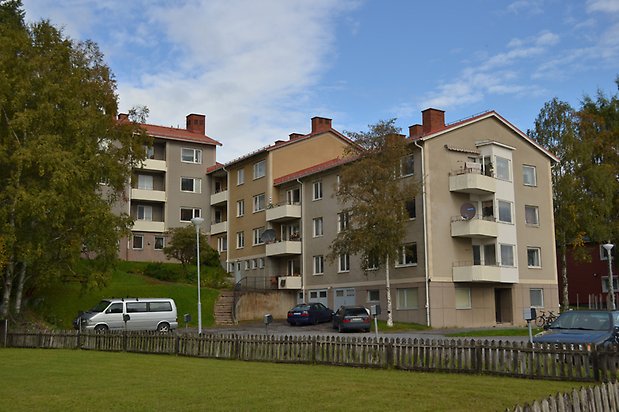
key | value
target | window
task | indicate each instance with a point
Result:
(344, 263)
(150, 152)
(373, 295)
(240, 240)
(502, 168)
(463, 298)
(317, 225)
(191, 184)
(507, 255)
(253, 263)
(529, 176)
(534, 257)
(372, 262)
(222, 244)
(246, 264)
(260, 169)
(342, 221)
(505, 211)
(240, 176)
(145, 182)
(188, 213)
(407, 165)
(604, 254)
(537, 297)
(260, 263)
(258, 235)
(408, 255)
(138, 242)
(159, 242)
(407, 298)
(411, 209)
(240, 208)
(259, 202)
(531, 215)
(293, 196)
(136, 307)
(145, 212)
(319, 265)
(191, 156)
(317, 191)
(238, 266)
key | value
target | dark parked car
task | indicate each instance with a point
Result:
(582, 327)
(309, 314)
(352, 318)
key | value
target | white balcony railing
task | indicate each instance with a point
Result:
(474, 228)
(152, 164)
(152, 195)
(219, 198)
(485, 273)
(220, 227)
(283, 212)
(148, 226)
(283, 248)
(474, 183)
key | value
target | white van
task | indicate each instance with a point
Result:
(129, 314)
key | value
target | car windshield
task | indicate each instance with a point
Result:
(100, 307)
(356, 312)
(299, 308)
(582, 321)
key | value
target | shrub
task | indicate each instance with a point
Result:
(162, 272)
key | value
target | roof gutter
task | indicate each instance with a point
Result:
(425, 232)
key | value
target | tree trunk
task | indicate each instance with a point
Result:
(6, 291)
(21, 280)
(565, 299)
(388, 287)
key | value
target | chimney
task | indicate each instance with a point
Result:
(433, 120)
(196, 123)
(415, 131)
(320, 124)
(294, 136)
(123, 117)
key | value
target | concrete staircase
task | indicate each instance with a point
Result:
(224, 308)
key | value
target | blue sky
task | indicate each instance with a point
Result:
(260, 69)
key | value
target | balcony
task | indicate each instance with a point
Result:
(284, 248)
(219, 198)
(473, 228)
(220, 227)
(153, 164)
(150, 195)
(283, 212)
(483, 273)
(148, 226)
(289, 282)
(471, 181)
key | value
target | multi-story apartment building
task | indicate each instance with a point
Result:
(479, 245)
(169, 189)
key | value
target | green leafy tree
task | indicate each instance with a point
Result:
(182, 247)
(374, 197)
(64, 159)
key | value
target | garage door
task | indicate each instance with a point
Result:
(318, 295)
(344, 297)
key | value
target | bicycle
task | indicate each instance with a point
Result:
(544, 319)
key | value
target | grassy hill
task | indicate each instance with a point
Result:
(58, 305)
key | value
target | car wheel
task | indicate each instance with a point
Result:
(163, 328)
(101, 328)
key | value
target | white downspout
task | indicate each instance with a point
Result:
(302, 241)
(425, 232)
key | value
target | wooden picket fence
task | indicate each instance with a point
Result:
(603, 397)
(504, 358)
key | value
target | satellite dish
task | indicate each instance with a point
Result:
(268, 236)
(467, 211)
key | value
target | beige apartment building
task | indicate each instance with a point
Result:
(479, 245)
(169, 189)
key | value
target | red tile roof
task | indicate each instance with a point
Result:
(179, 134)
(321, 167)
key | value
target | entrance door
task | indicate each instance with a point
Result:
(503, 305)
(344, 297)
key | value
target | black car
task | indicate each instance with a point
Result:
(309, 314)
(352, 318)
(582, 327)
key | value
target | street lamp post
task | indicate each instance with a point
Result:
(197, 221)
(611, 288)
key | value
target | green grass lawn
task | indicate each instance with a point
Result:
(58, 305)
(74, 380)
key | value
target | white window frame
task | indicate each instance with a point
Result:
(240, 208)
(414, 203)
(402, 298)
(196, 184)
(369, 296)
(144, 213)
(317, 227)
(319, 265)
(343, 219)
(133, 242)
(190, 155)
(246, 264)
(145, 182)
(529, 173)
(260, 263)
(343, 263)
(259, 203)
(317, 190)
(260, 169)
(257, 233)
(195, 212)
(240, 177)
(538, 252)
(463, 298)
(535, 209)
(162, 242)
(405, 163)
(604, 255)
(540, 298)
(507, 247)
(505, 168)
(511, 214)
(404, 256)
(240, 240)
(222, 244)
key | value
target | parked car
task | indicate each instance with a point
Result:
(309, 314)
(582, 327)
(352, 318)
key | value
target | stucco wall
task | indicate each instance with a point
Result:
(253, 305)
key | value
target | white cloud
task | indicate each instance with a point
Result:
(604, 6)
